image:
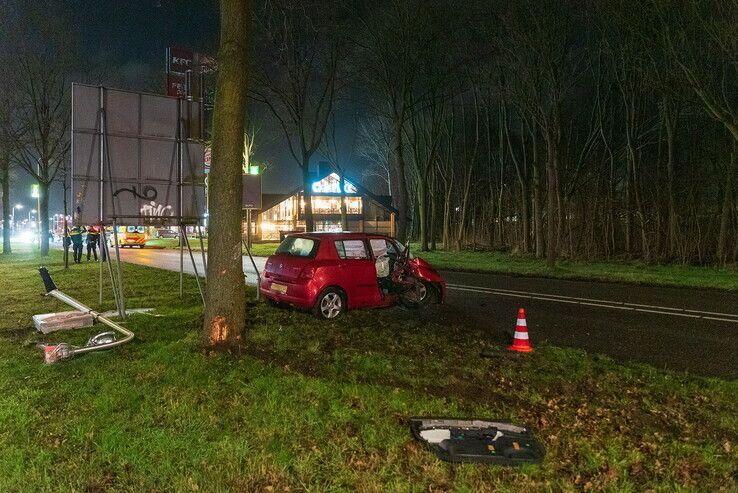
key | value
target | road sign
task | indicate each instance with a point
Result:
(251, 195)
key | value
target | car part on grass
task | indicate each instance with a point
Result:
(51, 322)
(129, 311)
(476, 440)
(105, 340)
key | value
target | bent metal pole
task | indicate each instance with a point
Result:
(51, 290)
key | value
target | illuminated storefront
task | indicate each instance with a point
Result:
(364, 210)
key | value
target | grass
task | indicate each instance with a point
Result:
(628, 272)
(257, 249)
(173, 243)
(316, 406)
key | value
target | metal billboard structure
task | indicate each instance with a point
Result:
(137, 159)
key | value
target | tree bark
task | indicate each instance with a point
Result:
(401, 182)
(670, 125)
(433, 213)
(225, 295)
(726, 213)
(5, 170)
(307, 195)
(344, 212)
(552, 165)
(43, 211)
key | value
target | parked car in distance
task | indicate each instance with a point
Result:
(128, 236)
(334, 272)
(166, 233)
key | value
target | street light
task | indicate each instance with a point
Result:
(36, 194)
(12, 219)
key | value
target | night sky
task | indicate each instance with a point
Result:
(137, 33)
(126, 42)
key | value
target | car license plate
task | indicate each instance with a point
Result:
(279, 288)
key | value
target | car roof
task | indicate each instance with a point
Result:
(337, 235)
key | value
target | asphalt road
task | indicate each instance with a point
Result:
(680, 329)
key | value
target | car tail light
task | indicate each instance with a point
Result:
(307, 273)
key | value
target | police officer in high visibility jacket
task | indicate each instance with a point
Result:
(93, 239)
(77, 245)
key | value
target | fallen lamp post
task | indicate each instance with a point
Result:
(105, 340)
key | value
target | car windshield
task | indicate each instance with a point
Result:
(298, 247)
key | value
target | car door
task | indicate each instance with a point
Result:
(358, 276)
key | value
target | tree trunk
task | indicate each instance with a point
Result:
(5, 170)
(401, 182)
(344, 212)
(307, 194)
(422, 200)
(225, 295)
(433, 214)
(552, 166)
(726, 213)
(446, 235)
(672, 224)
(537, 213)
(43, 212)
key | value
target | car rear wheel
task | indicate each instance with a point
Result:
(330, 304)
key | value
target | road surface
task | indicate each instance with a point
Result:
(681, 329)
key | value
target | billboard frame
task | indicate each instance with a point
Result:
(181, 141)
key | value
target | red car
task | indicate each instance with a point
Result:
(333, 272)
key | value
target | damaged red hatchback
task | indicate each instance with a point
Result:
(333, 272)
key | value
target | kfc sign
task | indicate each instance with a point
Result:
(179, 61)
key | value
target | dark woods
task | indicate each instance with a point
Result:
(591, 129)
(588, 129)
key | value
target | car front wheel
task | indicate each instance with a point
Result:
(330, 304)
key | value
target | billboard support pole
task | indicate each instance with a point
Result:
(182, 235)
(122, 305)
(182, 230)
(202, 251)
(117, 290)
(194, 266)
(253, 264)
(105, 254)
(100, 267)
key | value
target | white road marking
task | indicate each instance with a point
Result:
(619, 305)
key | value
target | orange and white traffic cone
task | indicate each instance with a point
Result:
(521, 342)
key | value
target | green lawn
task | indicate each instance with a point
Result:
(174, 243)
(629, 272)
(316, 406)
(257, 249)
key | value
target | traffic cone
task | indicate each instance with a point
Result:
(520, 339)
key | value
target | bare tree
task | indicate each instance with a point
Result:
(393, 47)
(338, 155)
(225, 306)
(298, 76)
(38, 73)
(6, 165)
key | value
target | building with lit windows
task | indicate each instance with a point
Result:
(365, 211)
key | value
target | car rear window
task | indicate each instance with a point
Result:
(353, 249)
(298, 247)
